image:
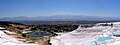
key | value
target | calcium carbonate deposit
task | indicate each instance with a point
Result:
(89, 36)
(9, 40)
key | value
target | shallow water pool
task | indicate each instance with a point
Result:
(100, 39)
(116, 32)
(38, 34)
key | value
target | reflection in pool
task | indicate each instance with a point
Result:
(38, 34)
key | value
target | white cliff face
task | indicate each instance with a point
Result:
(84, 36)
(9, 40)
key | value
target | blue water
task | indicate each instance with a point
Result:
(100, 39)
(91, 43)
(116, 32)
(38, 34)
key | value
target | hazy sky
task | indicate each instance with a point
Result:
(33, 8)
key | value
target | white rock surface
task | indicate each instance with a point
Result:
(9, 40)
(84, 36)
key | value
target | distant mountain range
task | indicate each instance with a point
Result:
(58, 18)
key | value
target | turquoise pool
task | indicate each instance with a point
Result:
(116, 32)
(37, 34)
(100, 39)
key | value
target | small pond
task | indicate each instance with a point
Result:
(116, 32)
(100, 39)
(38, 34)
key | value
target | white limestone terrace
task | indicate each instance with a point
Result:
(9, 40)
(2, 28)
(80, 36)
(85, 36)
